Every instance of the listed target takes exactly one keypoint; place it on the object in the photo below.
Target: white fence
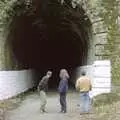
(15, 82)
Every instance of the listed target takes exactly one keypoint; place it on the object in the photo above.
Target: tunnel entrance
(51, 36)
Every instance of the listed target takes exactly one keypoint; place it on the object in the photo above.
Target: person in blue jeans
(63, 88)
(83, 85)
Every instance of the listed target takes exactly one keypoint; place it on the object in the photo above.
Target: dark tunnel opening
(50, 37)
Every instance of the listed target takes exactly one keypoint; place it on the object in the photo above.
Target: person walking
(83, 85)
(42, 89)
(62, 89)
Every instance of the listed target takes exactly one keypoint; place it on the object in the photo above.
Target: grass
(107, 105)
(106, 99)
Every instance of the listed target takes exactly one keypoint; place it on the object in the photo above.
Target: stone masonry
(98, 37)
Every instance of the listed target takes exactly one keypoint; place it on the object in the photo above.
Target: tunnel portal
(51, 36)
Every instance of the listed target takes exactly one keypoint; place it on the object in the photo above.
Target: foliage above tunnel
(7, 11)
(63, 9)
(9, 8)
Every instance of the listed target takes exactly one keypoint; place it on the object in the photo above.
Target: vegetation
(106, 99)
(7, 11)
(109, 12)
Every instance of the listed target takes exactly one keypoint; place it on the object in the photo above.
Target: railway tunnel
(51, 36)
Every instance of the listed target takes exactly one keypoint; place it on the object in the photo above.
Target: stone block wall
(99, 30)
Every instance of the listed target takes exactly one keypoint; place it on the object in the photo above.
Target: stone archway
(86, 53)
(95, 47)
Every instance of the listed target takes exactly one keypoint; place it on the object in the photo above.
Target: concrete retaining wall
(15, 82)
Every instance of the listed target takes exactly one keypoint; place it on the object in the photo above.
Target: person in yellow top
(83, 85)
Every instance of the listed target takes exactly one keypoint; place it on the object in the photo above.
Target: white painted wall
(101, 77)
(15, 82)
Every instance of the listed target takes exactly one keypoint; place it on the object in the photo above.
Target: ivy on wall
(6, 12)
(8, 9)
(110, 14)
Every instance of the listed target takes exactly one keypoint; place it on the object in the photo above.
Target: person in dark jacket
(42, 88)
(62, 89)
